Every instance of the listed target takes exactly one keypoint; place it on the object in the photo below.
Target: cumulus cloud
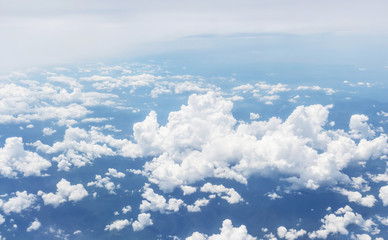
(367, 201)
(114, 173)
(103, 183)
(79, 147)
(229, 194)
(65, 192)
(117, 225)
(155, 202)
(290, 234)
(227, 232)
(35, 225)
(21, 201)
(187, 190)
(14, 159)
(298, 148)
(48, 131)
(383, 195)
(337, 223)
(196, 207)
(359, 127)
(126, 209)
(143, 220)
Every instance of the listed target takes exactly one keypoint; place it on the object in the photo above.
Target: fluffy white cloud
(228, 232)
(254, 116)
(328, 91)
(103, 183)
(196, 207)
(230, 194)
(65, 192)
(18, 203)
(143, 220)
(290, 234)
(155, 202)
(273, 196)
(14, 159)
(2, 220)
(48, 131)
(114, 173)
(359, 128)
(79, 147)
(367, 201)
(203, 140)
(117, 225)
(126, 209)
(187, 190)
(35, 225)
(383, 195)
(337, 223)
(362, 237)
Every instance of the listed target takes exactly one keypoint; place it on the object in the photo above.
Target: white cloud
(103, 183)
(155, 202)
(367, 201)
(290, 234)
(359, 128)
(272, 89)
(244, 88)
(273, 196)
(48, 131)
(14, 159)
(126, 209)
(328, 91)
(35, 225)
(361, 237)
(117, 225)
(254, 116)
(65, 192)
(2, 220)
(114, 173)
(229, 194)
(227, 232)
(187, 190)
(383, 195)
(337, 223)
(360, 183)
(196, 207)
(20, 202)
(205, 130)
(143, 220)
(79, 147)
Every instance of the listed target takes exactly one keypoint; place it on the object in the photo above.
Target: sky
(194, 120)
(64, 32)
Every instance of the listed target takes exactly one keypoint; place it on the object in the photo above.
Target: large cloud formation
(203, 140)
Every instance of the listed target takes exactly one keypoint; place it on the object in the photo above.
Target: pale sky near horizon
(62, 32)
